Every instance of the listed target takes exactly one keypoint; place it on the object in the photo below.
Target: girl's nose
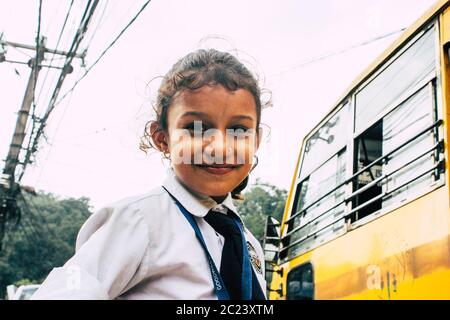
(218, 146)
(214, 142)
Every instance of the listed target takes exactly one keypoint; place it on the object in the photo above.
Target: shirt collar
(196, 203)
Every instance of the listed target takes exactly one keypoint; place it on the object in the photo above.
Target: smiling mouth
(217, 169)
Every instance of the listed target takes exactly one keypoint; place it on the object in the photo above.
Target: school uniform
(144, 248)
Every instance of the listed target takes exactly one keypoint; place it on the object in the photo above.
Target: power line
(104, 52)
(87, 15)
(55, 13)
(98, 25)
(53, 57)
(36, 61)
(84, 23)
(78, 37)
(57, 44)
(22, 52)
(10, 188)
(97, 131)
(38, 42)
(50, 149)
(335, 53)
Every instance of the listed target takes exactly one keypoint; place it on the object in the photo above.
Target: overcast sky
(93, 135)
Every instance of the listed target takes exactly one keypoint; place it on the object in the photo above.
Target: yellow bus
(367, 215)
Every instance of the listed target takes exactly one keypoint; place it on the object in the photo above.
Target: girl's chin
(214, 191)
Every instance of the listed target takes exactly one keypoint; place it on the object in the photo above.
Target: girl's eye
(240, 128)
(241, 132)
(192, 127)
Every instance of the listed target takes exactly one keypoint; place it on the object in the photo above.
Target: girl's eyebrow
(195, 113)
(243, 117)
(205, 115)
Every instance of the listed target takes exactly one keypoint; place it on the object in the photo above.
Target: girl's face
(212, 138)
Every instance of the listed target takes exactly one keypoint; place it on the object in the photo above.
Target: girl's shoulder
(125, 215)
(152, 197)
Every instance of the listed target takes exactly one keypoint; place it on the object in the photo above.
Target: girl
(183, 240)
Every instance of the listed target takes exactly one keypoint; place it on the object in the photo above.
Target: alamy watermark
(212, 147)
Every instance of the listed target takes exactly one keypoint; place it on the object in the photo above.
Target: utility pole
(22, 118)
(8, 186)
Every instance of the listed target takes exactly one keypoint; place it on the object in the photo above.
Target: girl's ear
(159, 137)
(259, 137)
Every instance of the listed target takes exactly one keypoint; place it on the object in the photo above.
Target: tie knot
(222, 223)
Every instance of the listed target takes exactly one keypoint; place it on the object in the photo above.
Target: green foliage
(261, 200)
(23, 282)
(44, 238)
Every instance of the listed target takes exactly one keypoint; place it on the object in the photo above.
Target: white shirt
(144, 248)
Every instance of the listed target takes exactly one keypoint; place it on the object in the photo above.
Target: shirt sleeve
(109, 250)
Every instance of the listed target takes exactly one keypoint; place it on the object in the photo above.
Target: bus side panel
(444, 23)
(404, 254)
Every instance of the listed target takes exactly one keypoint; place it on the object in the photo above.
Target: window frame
(408, 93)
(302, 266)
(289, 233)
(349, 102)
(436, 108)
(341, 106)
(418, 193)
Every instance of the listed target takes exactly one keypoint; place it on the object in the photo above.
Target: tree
(42, 239)
(262, 200)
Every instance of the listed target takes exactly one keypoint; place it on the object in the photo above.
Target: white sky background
(93, 135)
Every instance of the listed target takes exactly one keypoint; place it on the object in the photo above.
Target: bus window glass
(407, 71)
(321, 201)
(325, 142)
(400, 125)
(399, 170)
(322, 181)
(300, 283)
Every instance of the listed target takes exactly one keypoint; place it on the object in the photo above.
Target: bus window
(408, 71)
(394, 155)
(397, 156)
(326, 141)
(398, 153)
(403, 123)
(319, 208)
(368, 148)
(300, 283)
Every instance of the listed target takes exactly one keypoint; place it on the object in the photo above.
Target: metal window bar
(429, 79)
(439, 165)
(382, 158)
(270, 250)
(315, 202)
(315, 218)
(438, 146)
(386, 156)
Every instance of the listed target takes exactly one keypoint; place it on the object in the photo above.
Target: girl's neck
(219, 199)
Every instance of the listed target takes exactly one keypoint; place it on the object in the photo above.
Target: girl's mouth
(217, 169)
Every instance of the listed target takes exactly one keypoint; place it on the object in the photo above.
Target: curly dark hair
(193, 71)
